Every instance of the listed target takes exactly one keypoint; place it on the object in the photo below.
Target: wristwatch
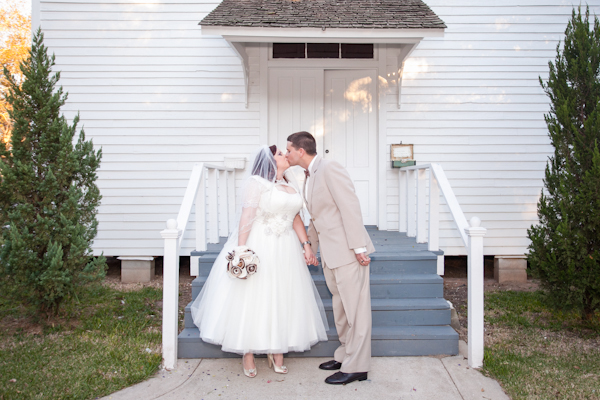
(307, 242)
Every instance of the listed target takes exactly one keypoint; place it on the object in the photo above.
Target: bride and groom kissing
(278, 309)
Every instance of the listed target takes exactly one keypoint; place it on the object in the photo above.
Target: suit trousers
(350, 287)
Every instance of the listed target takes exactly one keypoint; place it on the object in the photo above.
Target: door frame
(383, 88)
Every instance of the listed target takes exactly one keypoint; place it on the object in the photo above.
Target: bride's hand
(309, 256)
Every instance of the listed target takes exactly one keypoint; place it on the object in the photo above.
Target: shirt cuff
(360, 250)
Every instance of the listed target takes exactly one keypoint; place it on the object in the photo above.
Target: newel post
(170, 294)
(475, 287)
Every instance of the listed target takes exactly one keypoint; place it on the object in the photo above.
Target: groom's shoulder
(331, 165)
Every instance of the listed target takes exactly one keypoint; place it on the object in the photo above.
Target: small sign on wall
(402, 155)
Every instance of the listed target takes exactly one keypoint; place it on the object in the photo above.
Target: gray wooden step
(383, 286)
(388, 312)
(387, 263)
(385, 341)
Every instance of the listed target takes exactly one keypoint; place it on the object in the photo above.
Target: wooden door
(350, 125)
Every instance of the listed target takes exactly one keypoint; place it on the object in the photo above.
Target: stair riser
(385, 318)
(379, 348)
(377, 267)
(378, 291)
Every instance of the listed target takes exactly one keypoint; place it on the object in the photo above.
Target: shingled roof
(361, 14)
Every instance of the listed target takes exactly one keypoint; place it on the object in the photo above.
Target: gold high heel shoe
(250, 373)
(280, 370)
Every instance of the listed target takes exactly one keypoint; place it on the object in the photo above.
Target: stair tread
(421, 304)
(382, 255)
(375, 278)
(443, 332)
(396, 278)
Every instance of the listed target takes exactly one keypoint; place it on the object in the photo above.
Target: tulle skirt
(276, 310)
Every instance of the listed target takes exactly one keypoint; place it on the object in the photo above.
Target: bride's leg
(249, 364)
(278, 359)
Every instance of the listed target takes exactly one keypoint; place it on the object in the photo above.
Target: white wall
(472, 102)
(158, 97)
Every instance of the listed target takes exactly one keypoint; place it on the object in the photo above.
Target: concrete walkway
(446, 378)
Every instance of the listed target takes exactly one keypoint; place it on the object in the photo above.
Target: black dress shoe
(331, 365)
(341, 378)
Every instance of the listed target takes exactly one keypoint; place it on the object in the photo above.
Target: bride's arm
(300, 230)
(246, 220)
(251, 194)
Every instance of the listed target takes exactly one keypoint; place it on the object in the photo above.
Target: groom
(336, 222)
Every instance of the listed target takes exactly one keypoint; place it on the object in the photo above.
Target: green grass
(538, 353)
(97, 345)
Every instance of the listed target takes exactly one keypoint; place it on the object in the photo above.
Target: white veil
(262, 176)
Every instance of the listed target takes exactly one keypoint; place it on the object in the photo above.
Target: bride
(277, 309)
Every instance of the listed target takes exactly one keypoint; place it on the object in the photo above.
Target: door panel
(295, 104)
(350, 131)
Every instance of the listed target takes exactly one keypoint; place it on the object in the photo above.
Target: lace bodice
(277, 210)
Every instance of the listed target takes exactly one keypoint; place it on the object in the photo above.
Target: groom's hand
(310, 257)
(363, 259)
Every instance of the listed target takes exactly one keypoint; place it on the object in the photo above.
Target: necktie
(307, 175)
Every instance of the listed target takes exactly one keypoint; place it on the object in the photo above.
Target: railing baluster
(223, 207)
(201, 213)
(421, 210)
(213, 211)
(402, 204)
(411, 227)
(231, 200)
(434, 213)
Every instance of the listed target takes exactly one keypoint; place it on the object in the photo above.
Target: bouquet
(242, 262)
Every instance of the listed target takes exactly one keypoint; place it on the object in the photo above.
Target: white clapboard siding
(472, 102)
(158, 97)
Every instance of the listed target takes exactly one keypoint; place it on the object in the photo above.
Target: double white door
(339, 108)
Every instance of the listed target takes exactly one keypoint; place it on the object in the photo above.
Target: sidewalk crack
(452, 379)
(181, 384)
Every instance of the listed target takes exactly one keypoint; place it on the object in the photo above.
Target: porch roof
(325, 14)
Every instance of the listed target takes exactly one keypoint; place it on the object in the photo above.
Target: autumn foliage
(15, 42)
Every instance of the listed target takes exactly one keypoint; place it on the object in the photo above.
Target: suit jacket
(336, 219)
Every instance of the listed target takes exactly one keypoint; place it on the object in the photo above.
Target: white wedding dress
(276, 310)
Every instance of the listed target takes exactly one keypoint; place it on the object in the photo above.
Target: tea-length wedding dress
(276, 310)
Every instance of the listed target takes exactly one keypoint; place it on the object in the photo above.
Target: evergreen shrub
(48, 194)
(565, 245)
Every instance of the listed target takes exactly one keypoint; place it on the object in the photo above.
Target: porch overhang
(401, 22)
(320, 35)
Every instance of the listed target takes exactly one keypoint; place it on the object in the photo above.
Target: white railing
(210, 188)
(413, 216)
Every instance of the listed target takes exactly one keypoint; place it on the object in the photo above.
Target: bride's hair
(264, 163)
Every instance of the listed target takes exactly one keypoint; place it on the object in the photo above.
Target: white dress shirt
(309, 169)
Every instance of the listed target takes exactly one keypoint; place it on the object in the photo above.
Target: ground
(455, 291)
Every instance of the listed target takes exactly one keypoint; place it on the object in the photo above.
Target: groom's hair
(303, 140)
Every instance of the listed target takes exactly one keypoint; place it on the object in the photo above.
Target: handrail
(448, 193)
(412, 216)
(195, 193)
(220, 202)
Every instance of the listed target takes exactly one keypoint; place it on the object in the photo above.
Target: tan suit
(338, 227)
